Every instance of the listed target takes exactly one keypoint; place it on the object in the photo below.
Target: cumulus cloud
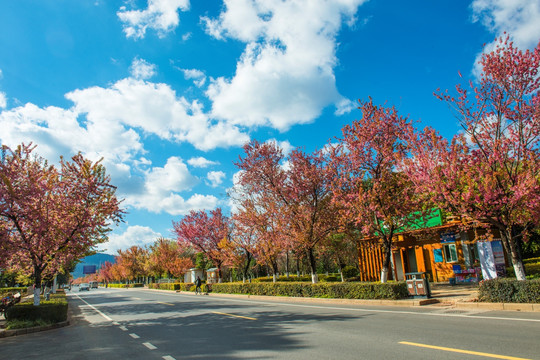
(154, 109)
(201, 162)
(141, 69)
(285, 145)
(111, 123)
(3, 100)
(518, 18)
(285, 75)
(215, 178)
(160, 15)
(133, 235)
(162, 188)
(198, 77)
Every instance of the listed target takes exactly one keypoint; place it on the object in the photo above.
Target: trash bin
(418, 285)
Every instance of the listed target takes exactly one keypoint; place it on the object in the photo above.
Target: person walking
(198, 286)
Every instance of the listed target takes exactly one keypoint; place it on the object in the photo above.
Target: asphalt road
(145, 324)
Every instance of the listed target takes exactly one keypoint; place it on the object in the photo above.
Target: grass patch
(23, 324)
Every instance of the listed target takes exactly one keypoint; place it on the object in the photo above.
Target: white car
(84, 286)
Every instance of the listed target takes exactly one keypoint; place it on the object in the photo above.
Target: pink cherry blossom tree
(51, 216)
(490, 172)
(372, 194)
(204, 231)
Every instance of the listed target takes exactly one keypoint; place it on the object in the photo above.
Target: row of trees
(163, 258)
(383, 175)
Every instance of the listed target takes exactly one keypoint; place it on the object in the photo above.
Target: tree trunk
(313, 266)
(274, 271)
(287, 263)
(37, 285)
(511, 248)
(246, 268)
(387, 248)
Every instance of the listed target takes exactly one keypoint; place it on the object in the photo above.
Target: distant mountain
(97, 259)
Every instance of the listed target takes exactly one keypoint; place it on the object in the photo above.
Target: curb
(498, 306)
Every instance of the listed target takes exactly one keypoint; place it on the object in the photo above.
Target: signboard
(487, 260)
(448, 237)
(498, 255)
(89, 269)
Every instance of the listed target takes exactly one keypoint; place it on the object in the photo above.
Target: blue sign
(89, 269)
(448, 237)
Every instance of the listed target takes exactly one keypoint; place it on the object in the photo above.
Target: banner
(487, 260)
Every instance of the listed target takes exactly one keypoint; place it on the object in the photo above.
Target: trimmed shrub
(120, 286)
(7, 290)
(532, 269)
(509, 291)
(350, 271)
(393, 290)
(51, 311)
(171, 286)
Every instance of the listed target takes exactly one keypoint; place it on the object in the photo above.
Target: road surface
(132, 324)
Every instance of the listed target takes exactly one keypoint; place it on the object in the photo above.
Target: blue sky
(168, 91)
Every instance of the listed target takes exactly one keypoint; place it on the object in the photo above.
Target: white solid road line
(150, 346)
(93, 308)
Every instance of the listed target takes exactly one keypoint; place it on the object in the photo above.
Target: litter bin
(418, 284)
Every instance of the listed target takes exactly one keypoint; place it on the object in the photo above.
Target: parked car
(93, 284)
(84, 286)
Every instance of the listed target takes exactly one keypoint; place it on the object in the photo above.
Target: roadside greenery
(339, 290)
(25, 314)
(509, 291)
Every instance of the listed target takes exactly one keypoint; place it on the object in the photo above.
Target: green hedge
(509, 291)
(301, 278)
(52, 311)
(121, 286)
(5, 291)
(532, 269)
(532, 260)
(171, 286)
(391, 290)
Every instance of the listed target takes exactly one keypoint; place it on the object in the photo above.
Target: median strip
(496, 356)
(238, 316)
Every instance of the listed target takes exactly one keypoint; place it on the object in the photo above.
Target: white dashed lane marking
(135, 336)
(150, 346)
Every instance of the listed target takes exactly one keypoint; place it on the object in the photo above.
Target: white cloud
(215, 178)
(198, 77)
(108, 122)
(285, 146)
(285, 75)
(3, 100)
(154, 109)
(162, 187)
(141, 69)
(133, 235)
(518, 18)
(160, 15)
(201, 162)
